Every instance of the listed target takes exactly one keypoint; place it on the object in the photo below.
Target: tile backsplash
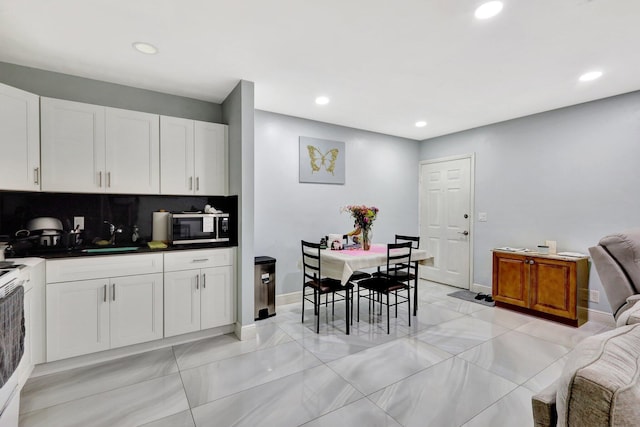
(16, 208)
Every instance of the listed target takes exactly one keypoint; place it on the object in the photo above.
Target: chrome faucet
(112, 231)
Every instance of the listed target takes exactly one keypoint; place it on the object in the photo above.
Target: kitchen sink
(111, 249)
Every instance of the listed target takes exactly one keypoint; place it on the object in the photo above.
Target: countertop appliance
(197, 227)
(49, 229)
(9, 392)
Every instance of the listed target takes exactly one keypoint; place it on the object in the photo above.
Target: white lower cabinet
(95, 314)
(104, 302)
(198, 298)
(33, 276)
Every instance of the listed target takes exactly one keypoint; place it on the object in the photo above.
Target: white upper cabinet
(176, 155)
(19, 140)
(193, 156)
(132, 152)
(92, 149)
(211, 159)
(73, 146)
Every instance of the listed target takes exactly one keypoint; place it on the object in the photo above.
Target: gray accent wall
(238, 113)
(80, 89)
(381, 170)
(570, 175)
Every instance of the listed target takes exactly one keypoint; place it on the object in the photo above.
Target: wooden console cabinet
(549, 286)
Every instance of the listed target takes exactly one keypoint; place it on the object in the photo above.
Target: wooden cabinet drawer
(198, 258)
(97, 267)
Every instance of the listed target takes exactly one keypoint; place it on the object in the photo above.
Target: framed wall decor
(321, 161)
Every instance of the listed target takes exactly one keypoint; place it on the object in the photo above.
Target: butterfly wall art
(321, 160)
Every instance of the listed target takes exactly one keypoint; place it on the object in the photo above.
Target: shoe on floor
(480, 296)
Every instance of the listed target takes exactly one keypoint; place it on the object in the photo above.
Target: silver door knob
(465, 232)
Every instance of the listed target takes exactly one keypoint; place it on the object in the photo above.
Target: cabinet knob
(531, 262)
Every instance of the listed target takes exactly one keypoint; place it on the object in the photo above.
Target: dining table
(340, 264)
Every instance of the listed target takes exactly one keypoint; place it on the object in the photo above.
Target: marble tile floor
(457, 364)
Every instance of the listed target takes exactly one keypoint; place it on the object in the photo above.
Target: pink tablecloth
(374, 249)
(341, 264)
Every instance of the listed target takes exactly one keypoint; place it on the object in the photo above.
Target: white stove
(9, 394)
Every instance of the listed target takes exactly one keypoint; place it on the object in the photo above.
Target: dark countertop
(57, 253)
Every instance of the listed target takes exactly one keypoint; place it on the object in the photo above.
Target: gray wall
(73, 88)
(570, 175)
(238, 113)
(381, 170)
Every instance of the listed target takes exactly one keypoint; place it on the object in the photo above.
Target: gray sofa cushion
(599, 385)
(625, 248)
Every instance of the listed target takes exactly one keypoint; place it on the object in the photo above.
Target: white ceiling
(385, 64)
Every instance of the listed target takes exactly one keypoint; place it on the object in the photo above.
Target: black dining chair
(355, 277)
(398, 260)
(412, 276)
(312, 279)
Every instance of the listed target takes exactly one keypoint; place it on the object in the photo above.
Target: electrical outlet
(594, 296)
(78, 222)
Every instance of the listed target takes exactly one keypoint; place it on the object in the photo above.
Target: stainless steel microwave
(188, 228)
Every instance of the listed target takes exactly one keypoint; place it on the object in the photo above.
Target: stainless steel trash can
(264, 287)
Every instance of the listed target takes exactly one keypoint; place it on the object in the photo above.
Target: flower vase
(366, 239)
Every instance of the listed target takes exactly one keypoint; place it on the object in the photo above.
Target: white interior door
(445, 219)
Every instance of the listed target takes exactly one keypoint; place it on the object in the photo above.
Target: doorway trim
(472, 197)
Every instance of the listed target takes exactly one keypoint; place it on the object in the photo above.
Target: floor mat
(471, 296)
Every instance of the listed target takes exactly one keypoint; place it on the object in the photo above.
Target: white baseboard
(289, 298)
(601, 317)
(594, 315)
(117, 353)
(245, 332)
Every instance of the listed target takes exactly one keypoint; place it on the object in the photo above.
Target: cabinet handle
(201, 260)
(190, 183)
(36, 176)
(198, 282)
(113, 290)
(100, 179)
(204, 281)
(104, 296)
(108, 179)
(197, 183)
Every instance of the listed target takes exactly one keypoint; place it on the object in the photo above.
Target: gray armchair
(617, 261)
(600, 383)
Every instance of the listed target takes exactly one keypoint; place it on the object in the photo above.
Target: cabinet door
(553, 287)
(77, 318)
(135, 309)
(510, 279)
(132, 152)
(217, 301)
(19, 140)
(72, 143)
(176, 156)
(211, 159)
(181, 302)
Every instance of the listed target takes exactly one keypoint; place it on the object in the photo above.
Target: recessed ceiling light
(322, 100)
(145, 48)
(421, 124)
(488, 10)
(591, 75)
